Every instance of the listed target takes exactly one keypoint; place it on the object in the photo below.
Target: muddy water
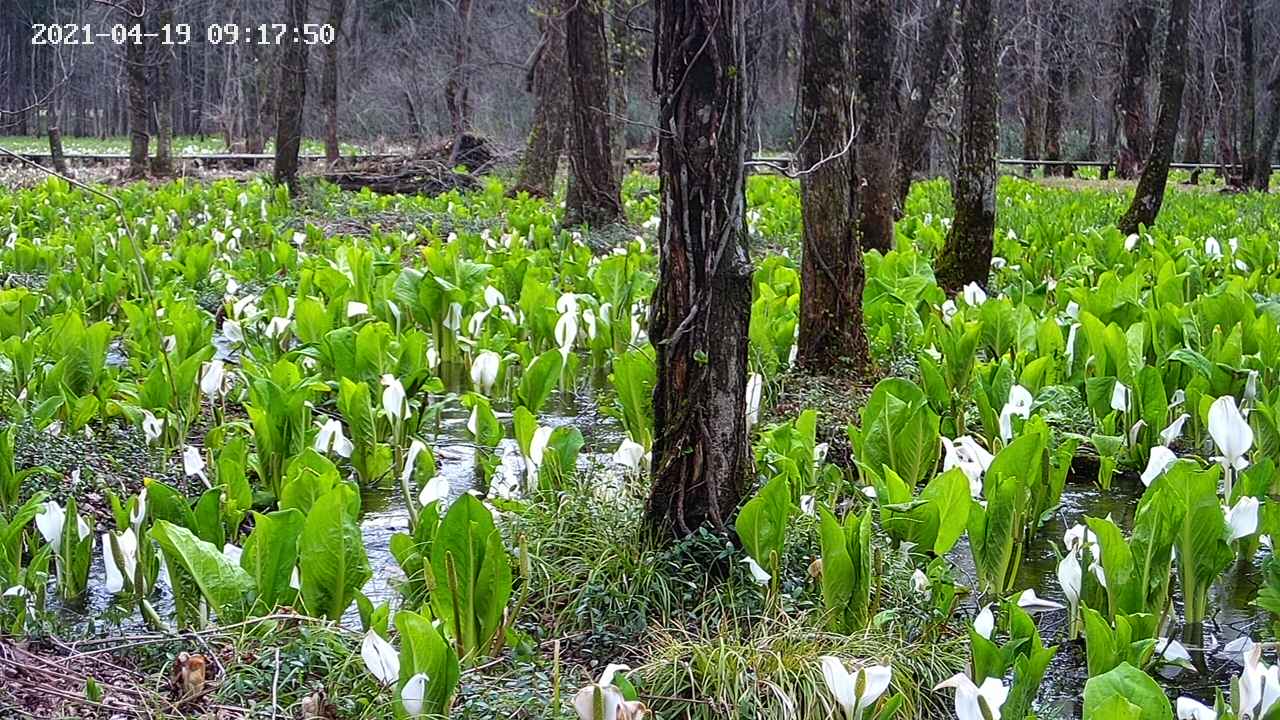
(383, 509)
(1231, 615)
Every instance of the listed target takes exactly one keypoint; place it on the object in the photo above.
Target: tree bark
(1267, 143)
(293, 95)
(1225, 149)
(596, 198)
(162, 163)
(619, 58)
(457, 90)
(702, 303)
(1193, 142)
(1249, 95)
(874, 160)
(329, 82)
(966, 253)
(1155, 174)
(1137, 22)
(548, 81)
(58, 159)
(135, 58)
(832, 275)
(1053, 111)
(1031, 119)
(929, 71)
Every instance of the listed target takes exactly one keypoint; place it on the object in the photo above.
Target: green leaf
(762, 523)
(539, 379)
(332, 558)
(1131, 685)
(270, 555)
(422, 650)
(222, 583)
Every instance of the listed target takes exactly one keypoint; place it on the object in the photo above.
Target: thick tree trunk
(548, 81)
(927, 75)
(1249, 93)
(162, 163)
(1053, 110)
(596, 198)
(874, 162)
(293, 95)
(1224, 145)
(832, 275)
(702, 303)
(1137, 22)
(457, 90)
(966, 253)
(1155, 174)
(135, 59)
(619, 53)
(329, 83)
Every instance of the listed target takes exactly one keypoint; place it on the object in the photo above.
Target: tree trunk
(135, 58)
(832, 275)
(457, 91)
(1267, 143)
(293, 95)
(1249, 94)
(927, 75)
(329, 83)
(1193, 142)
(874, 161)
(1173, 74)
(966, 253)
(702, 303)
(58, 159)
(1225, 149)
(548, 82)
(162, 163)
(619, 45)
(1137, 22)
(1031, 118)
(1053, 111)
(596, 198)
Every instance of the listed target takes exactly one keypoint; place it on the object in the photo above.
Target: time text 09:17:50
(182, 34)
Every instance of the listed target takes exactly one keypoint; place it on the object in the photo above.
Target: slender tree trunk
(619, 44)
(457, 90)
(1155, 174)
(1137, 22)
(1193, 142)
(596, 198)
(293, 95)
(135, 58)
(548, 81)
(928, 73)
(874, 161)
(1053, 111)
(162, 163)
(966, 253)
(56, 155)
(329, 82)
(1249, 94)
(1267, 143)
(702, 303)
(832, 275)
(1225, 148)
(1031, 119)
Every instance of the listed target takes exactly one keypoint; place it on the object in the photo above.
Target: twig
(275, 684)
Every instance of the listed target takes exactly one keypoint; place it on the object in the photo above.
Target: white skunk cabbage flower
(116, 575)
(759, 574)
(974, 295)
(152, 427)
(1019, 404)
(380, 658)
(855, 692)
(1231, 433)
(212, 375)
(971, 698)
(394, 403)
(414, 694)
(755, 386)
(1242, 519)
(1174, 430)
(332, 439)
(1032, 604)
(1162, 458)
(484, 370)
(630, 454)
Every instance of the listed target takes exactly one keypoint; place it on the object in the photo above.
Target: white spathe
(1189, 709)
(985, 622)
(152, 427)
(414, 694)
(1161, 459)
(755, 386)
(844, 686)
(1071, 578)
(1230, 432)
(566, 333)
(759, 574)
(970, 698)
(1019, 404)
(484, 370)
(1174, 430)
(356, 309)
(1030, 602)
(972, 459)
(1242, 518)
(193, 463)
(973, 294)
(380, 658)
(1120, 397)
(629, 455)
(332, 439)
(393, 398)
(212, 375)
(437, 488)
(116, 575)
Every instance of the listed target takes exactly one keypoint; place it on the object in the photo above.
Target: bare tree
(162, 163)
(1249, 92)
(548, 81)
(329, 82)
(293, 95)
(1137, 23)
(1155, 173)
(875, 160)
(930, 70)
(832, 276)
(702, 303)
(135, 58)
(595, 196)
(457, 90)
(966, 253)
